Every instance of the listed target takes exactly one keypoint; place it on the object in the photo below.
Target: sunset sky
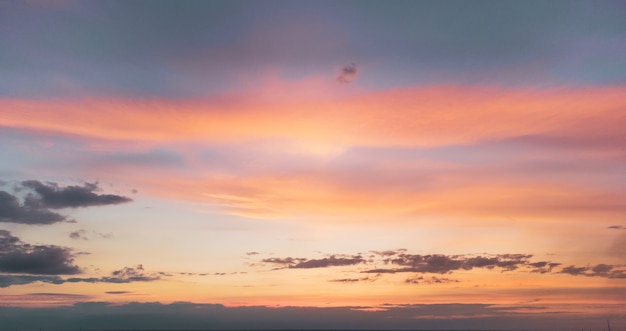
(312, 164)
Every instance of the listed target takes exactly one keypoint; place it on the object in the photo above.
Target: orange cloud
(409, 117)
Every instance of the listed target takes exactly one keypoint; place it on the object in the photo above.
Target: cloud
(617, 227)
(130, 274)
(82, 235)
(354, 280)
(122, 276)
(118, 292)
(442, 264)
(192, 316)
(10, 280)
(347, 74)
(302, 263)
(79, 234)
(11, 211)
(600, 270)
(53, 196)
(400, 261)
(19, 257)
(36, 205)
(432, 280)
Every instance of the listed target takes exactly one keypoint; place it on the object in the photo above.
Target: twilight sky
(312, 164)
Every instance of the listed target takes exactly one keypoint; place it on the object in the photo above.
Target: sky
(312, 165)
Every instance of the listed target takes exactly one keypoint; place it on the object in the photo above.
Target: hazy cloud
(347, 74)
(19, 257)
(617, 227)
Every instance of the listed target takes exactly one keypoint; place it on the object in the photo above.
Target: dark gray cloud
(600, 270)
(118, 292)
(400, 261)
(617, 227)
(418, 279)
(442, 264)
(347, 74)
(10, 280)
(79, 234)
(130, 274)
(302, 263)
(354, 280)
(11, 211)
(122, 276)
(40, 198)
(82, 235)
(23, 258)
(53, 196)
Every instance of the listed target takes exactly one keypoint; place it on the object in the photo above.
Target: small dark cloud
(130, 274)
(82, 235)
(354, 280)
(302, 263)
(252, 253)
(53, 196)
(617, 227)
(543, 267)
(19, 257)
(429, 280)
(347, 74)
(118, 292)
